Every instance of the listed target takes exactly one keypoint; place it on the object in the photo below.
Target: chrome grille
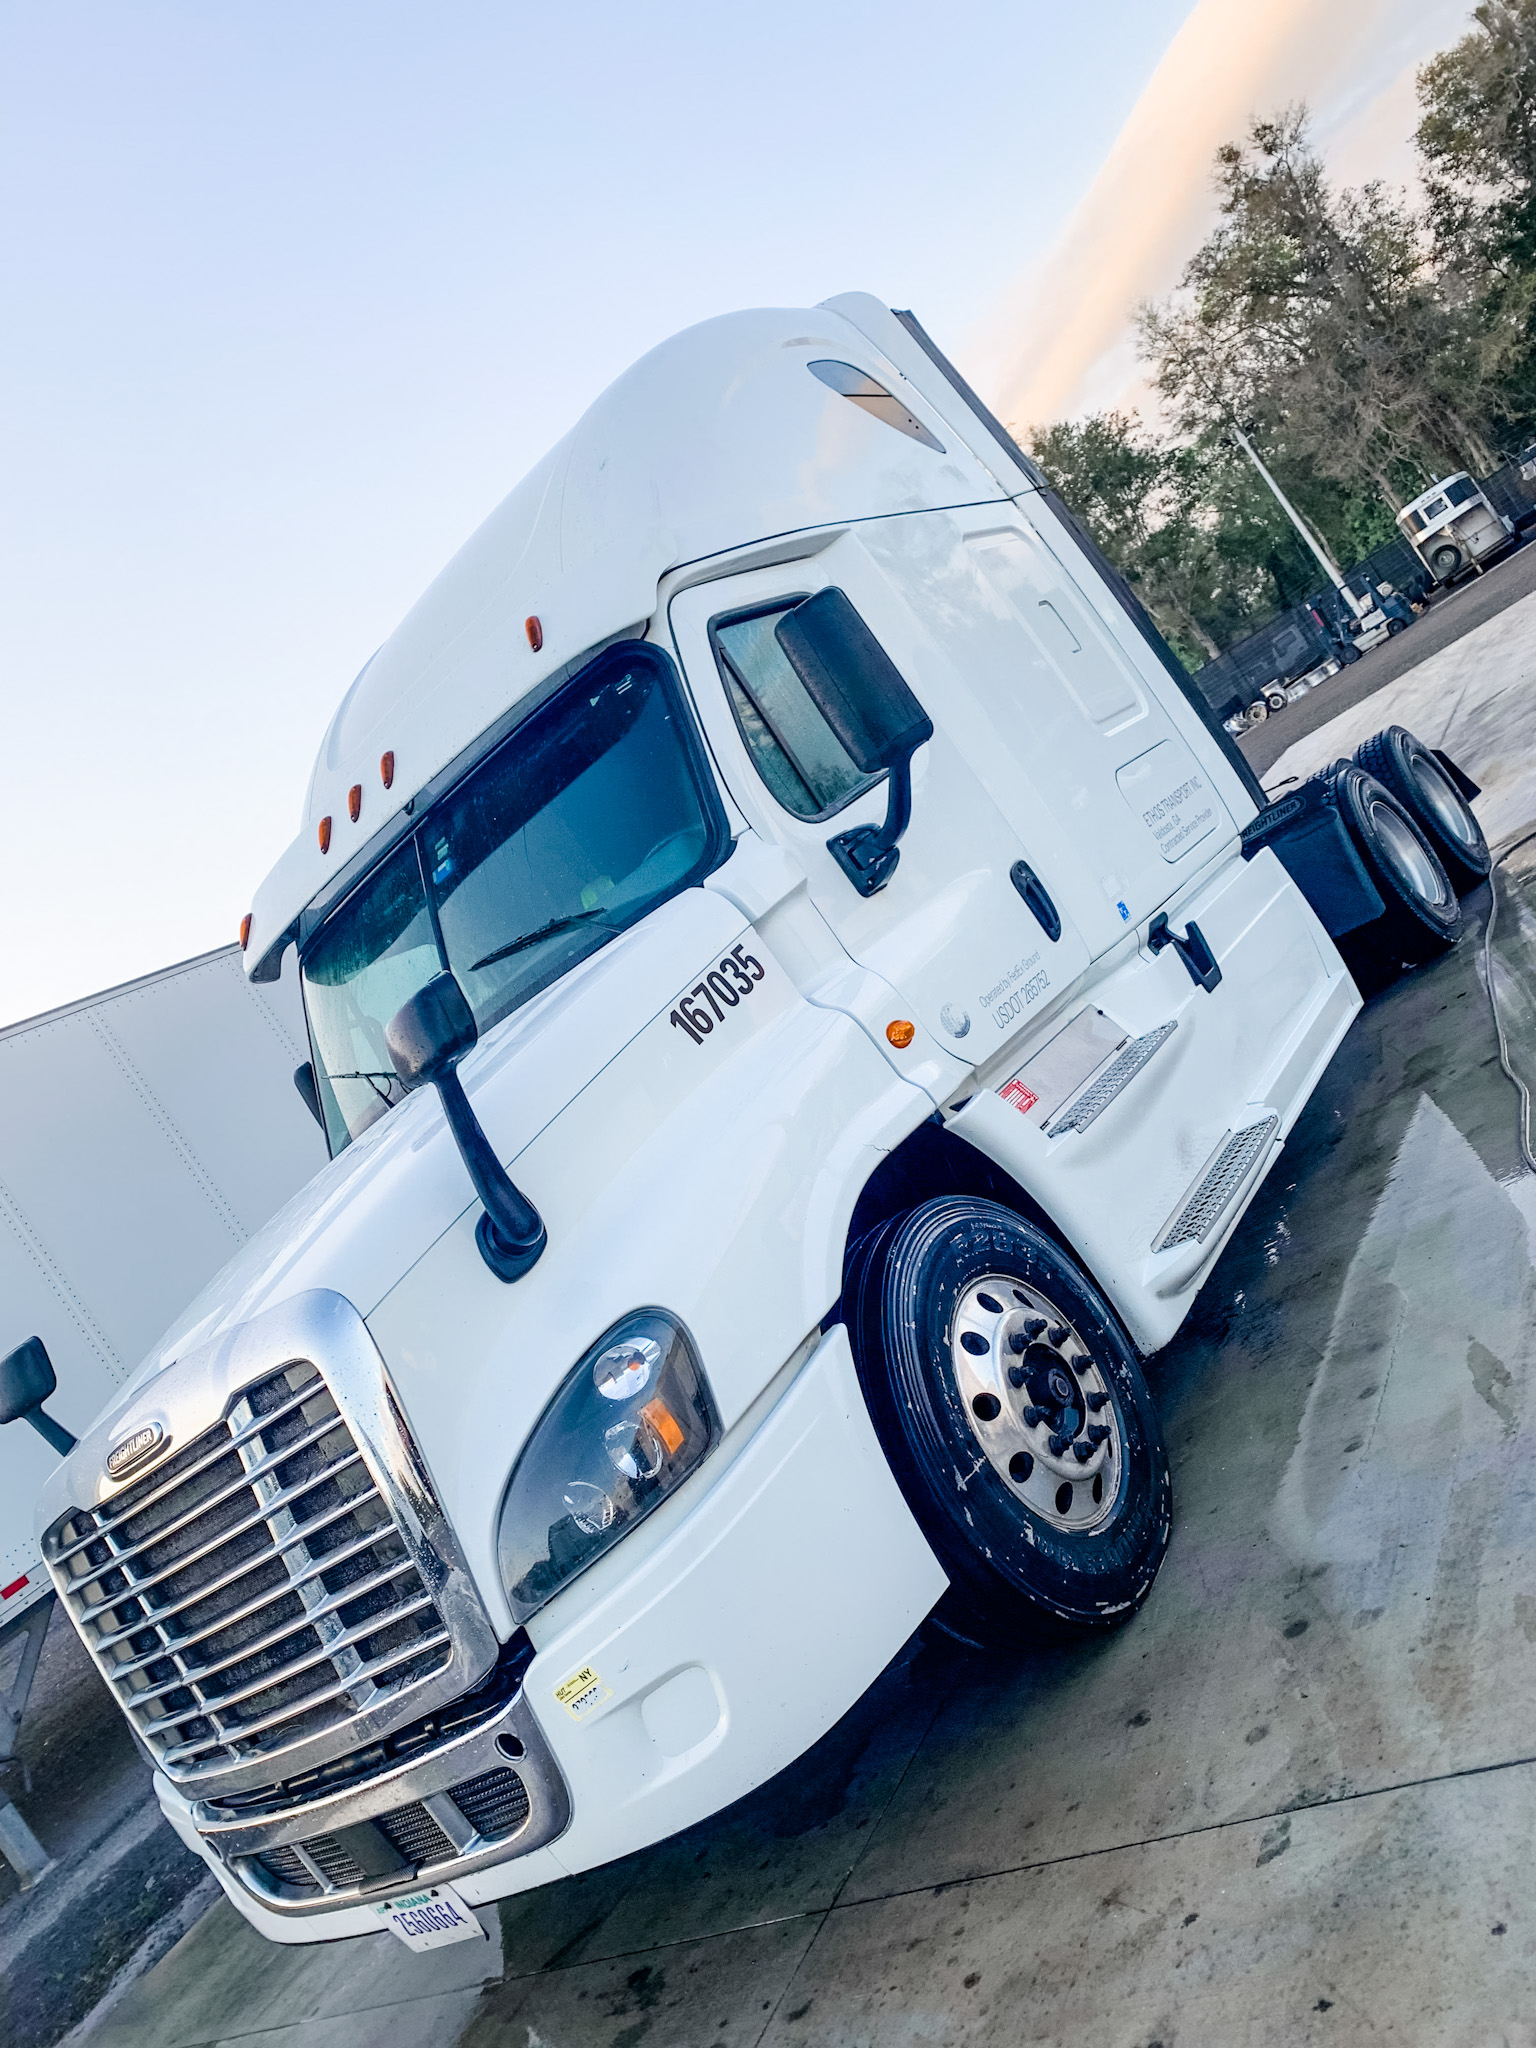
(252, 1591)
(459, 1824)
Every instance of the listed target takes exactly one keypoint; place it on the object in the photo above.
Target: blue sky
(296, 293)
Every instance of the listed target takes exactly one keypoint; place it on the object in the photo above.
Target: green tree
(1147, 507)
(1315, 314)
(1476, 142)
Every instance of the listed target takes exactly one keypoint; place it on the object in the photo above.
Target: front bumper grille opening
(495, 1804)
(217, 1591)
(340, 1870)
(416, 1835)
(286, 1872)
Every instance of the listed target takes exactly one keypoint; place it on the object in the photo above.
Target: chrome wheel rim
(1037, 1400)
(1406, 854)
(1433, 785)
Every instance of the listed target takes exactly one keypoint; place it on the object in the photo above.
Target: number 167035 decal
(721, 990)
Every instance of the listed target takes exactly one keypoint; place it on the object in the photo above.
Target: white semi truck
(799, 995)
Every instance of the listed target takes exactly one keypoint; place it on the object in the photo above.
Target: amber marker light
(665, 1424)
(325, 835)
(355, 802)
(245, 931)
(901, 1033)
(535, 634)
(387, 769)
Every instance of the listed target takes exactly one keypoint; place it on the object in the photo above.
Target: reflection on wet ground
(1292, 1802)
(1510, 968)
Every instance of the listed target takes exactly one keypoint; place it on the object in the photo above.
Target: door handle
(1191, 949)
(1035, 894)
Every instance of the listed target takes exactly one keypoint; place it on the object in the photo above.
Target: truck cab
(794, 1022)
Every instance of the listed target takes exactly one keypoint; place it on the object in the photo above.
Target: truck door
(1100, 778)
(952, 931)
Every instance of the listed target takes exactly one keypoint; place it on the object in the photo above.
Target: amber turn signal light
(535, 634)
(665, 1424)
(387, 769)
(355, 801)
(245, 931)
(325, 835)
(901, 1033)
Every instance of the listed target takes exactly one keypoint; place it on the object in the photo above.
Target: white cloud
(1060, 340)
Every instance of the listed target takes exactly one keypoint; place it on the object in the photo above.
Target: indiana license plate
(430, 1918)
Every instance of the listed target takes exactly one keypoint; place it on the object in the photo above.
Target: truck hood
(366, 1218)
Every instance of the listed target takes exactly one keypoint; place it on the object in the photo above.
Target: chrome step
(1224, 1173)
(1122, 1070)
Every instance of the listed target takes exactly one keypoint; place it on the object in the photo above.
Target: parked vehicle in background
(1453, 528)
(781, 842)
(149, 1131)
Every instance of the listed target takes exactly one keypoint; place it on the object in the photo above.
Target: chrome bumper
(402, 1825)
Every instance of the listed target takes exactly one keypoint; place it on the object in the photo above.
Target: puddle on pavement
(1410, 1481)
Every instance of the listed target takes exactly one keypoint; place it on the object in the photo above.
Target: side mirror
(427, 1037)
(862, 695)
(304, 1081)
(27, 1378)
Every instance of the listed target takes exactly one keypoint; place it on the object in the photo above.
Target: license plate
(430, 1918)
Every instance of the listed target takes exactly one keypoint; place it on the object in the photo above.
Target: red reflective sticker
(14, 1587)
(1022, 1098)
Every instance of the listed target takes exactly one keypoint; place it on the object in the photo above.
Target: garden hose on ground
(1511, 981)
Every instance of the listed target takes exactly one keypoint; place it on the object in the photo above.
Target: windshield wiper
(545, 931)
(372, 1075)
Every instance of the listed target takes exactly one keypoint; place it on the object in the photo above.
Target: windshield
(595, 809)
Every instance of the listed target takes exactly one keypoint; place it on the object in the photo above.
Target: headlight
(628, 1426)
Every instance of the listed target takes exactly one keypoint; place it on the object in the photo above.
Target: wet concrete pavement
(1293, 1802)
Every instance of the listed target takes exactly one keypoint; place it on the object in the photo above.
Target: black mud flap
(1459, 776)
(1312, 843)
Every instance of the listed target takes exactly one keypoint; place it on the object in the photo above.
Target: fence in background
(1312, 632)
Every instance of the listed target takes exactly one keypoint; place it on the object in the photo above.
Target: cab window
(595, 810)
(792, 747)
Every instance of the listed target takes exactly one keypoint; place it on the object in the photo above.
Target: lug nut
(1033, 1328)
(1097, 1433)
(1015, 1375)
(1097, 1401)
(1058, 1443)
(1033, 1417)
(1057, 1334)
(1082, 1452)
(1017, 1341)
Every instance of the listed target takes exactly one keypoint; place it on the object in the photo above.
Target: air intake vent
(253, 1590)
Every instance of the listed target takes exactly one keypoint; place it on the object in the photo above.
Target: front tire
(1013, 1412)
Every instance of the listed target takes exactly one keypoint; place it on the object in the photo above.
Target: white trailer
(1452, 527)
(145, 1134)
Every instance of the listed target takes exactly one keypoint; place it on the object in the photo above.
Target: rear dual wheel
(1402, 763)
(1421, 916)
(1013, 1412)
